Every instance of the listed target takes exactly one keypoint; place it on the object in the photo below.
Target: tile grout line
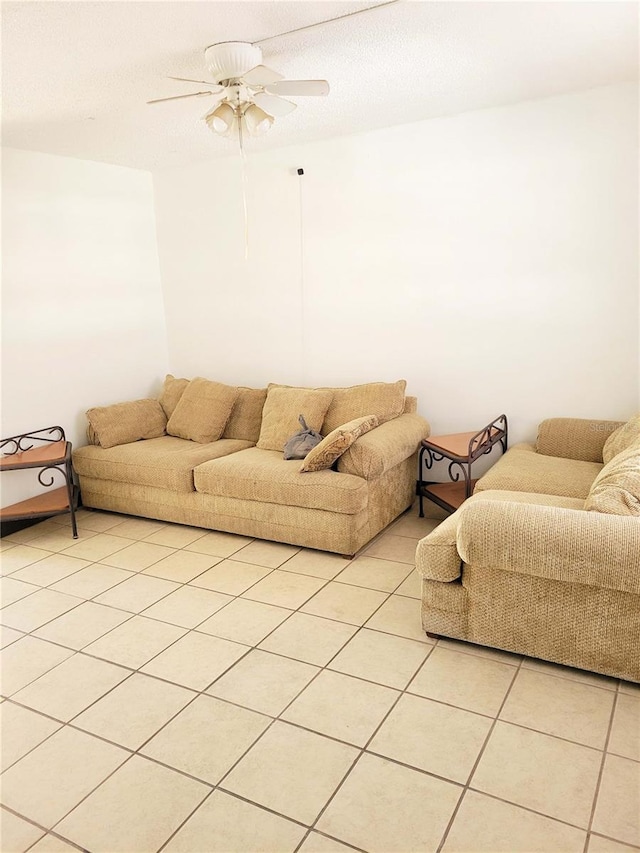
(41, 827)
(219, 784)
(141, 613)
(186, 820)
(202, 692)
(596, 792)
(75, 727)
(477, 761)
(546, 734)
(291, 701)
(119, 746)
(138, 669)
(262, 806)
(363, 749)
(298, 694)
(92, 600)
(617, 841)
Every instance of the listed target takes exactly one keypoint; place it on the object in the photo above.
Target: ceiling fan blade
(177, 97)
(215, 88)
(261, 76)
(298, 87)
(273, 105)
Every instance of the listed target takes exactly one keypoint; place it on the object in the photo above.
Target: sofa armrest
(567, 545)
(384, 447)
(437, 557)
(574, 438)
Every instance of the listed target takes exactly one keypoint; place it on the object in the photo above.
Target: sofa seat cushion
(521, 469)
(263, 475)
(166, 462)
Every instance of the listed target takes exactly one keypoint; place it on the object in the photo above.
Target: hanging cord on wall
(243, 166)
(300, 173)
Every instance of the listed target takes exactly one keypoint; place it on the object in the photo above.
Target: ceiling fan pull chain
(243, 164)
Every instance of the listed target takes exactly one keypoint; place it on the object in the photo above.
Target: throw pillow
(202, 411)
(172, 390)
(616, 489)
(282, 409)
(621, 439)
(246, 416)
(334, 445)
(123, 423)
(383, 399)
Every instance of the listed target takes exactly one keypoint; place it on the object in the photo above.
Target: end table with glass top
(462, 450)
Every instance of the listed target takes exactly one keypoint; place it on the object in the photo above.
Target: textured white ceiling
(76, 75)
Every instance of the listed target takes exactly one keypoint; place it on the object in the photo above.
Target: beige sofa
(544, 558)
(235, 483)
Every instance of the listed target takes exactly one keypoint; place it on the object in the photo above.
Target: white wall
(82, 311)
(490, 258)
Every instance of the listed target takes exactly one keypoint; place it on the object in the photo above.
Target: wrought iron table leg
(70, 492)
(420, 482)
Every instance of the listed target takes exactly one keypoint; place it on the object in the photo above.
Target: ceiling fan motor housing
(229, 60)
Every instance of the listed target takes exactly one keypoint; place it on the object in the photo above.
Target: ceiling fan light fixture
(231, 59)
(258, 122)
(221, 119)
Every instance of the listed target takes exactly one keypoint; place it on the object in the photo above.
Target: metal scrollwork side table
(48, 450)
(462, 449)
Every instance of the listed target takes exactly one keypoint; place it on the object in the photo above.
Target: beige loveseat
(544, 558)
(234, 478)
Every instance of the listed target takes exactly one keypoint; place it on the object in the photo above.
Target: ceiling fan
(248, 94)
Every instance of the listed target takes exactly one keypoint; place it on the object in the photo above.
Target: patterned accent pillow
(123, 423)
(621, 439)
(202, 411)
(172, 390)
(616, 489)
(334, 445)
(283, 407)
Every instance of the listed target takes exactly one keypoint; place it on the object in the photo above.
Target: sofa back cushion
(323, 455)
(581, 439)
(616, 489)
(171, 392)
(282, 408)
(246, 416)
(385, 400)
(621, 439)
(202, 411)
(123, 423)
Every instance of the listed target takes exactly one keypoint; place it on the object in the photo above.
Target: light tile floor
(169, 688)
